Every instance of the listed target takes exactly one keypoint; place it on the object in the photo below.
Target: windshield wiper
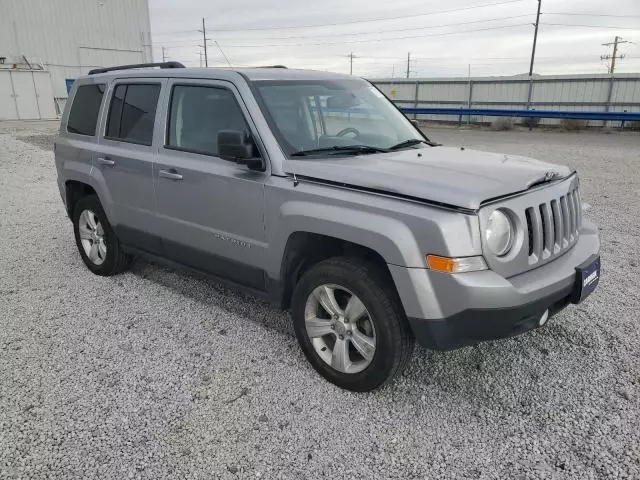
(408, 143)
(335, 149)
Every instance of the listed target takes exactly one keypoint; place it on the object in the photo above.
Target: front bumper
(450, 311)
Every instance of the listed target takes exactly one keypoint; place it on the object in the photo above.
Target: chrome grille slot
(572, 215)
(527, 214)
(548, 229)
(536, 235)
(566, 220)
(577, 208)
(558, 225)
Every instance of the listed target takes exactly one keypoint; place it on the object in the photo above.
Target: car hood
(446, 175)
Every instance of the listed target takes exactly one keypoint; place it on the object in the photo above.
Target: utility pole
(408, 64)
(164, 57)
(533, 55)
(204, 43)
(200, 52)
(535, 38)
(351, 56)
(617, 41)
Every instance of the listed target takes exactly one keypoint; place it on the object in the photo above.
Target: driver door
(210, 210)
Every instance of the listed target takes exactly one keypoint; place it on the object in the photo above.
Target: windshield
(320, 116)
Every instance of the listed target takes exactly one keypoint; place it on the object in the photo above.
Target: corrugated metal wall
(69, 37)
(595, 92)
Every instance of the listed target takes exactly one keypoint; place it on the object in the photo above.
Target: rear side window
(84, 110)
(133, 112)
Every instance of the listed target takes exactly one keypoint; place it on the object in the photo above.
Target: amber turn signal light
(455, 265)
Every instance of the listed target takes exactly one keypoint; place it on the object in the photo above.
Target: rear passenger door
(210, 210)
(77, 146)
(125, 161)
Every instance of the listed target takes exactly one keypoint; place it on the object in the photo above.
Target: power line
(379, 39)
(223, 54)
(590, 15)
(367, 40)
(289, 27)
(428, 27)
(295, 37)
(314, 25)
(589, 26)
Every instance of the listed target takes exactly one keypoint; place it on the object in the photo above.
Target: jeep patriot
(314, 191)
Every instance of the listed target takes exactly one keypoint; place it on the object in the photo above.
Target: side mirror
(233, 145)
(415, 123)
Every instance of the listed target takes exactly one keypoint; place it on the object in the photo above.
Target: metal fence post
(416, 98)
(470, 100)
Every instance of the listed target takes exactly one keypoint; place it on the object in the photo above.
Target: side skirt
(160, 260)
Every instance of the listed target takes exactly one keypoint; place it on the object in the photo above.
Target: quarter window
(84, 110)
(132, 113)
(198, 113)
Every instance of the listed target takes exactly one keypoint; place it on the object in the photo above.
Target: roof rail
(137, 65)
(272, 66)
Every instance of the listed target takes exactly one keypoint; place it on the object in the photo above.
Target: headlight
(499, 233)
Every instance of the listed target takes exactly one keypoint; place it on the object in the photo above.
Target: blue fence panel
(494, 112)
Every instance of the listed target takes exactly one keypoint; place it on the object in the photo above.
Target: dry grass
(574, 125)
(502, 124)
(530, 122)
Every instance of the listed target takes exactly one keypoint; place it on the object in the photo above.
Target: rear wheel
(97, 243)
(350, 324)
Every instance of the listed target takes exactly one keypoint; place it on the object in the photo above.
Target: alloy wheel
(92, 237)
(340, 328)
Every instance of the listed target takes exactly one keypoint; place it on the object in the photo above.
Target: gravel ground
(157, 374)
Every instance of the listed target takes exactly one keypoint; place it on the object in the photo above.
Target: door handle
(170, 174)
(106, 161)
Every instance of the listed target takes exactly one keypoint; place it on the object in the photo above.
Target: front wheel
(350, 324)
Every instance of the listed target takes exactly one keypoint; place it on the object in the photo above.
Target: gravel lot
(157, 374)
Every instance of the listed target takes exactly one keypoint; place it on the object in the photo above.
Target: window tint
(84, 110)
(133, 112)
(197, 115)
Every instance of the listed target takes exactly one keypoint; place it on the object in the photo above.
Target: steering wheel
(347, 130)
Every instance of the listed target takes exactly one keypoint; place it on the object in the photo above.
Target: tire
(108, 258)
(383, 324)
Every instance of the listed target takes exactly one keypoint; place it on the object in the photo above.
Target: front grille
(553, 226)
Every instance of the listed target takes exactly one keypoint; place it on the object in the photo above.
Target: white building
(45, 44)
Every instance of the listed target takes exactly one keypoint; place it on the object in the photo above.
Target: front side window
(197, 113)
(133, 112)
(83, 116)
(313, 117)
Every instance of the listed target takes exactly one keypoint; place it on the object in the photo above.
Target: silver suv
(314, 191)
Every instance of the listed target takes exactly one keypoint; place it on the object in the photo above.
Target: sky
(443, 39)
